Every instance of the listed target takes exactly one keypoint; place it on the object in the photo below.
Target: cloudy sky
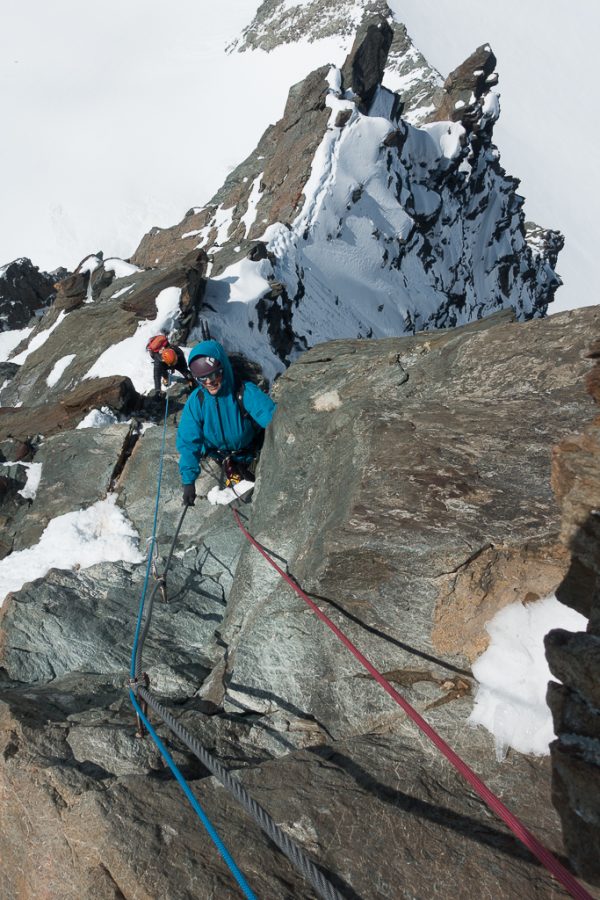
(120, 116)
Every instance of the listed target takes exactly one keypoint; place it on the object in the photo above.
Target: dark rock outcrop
(575, 658)
(364, 67)
(24, 292)
(464, 88)
(22, 423)
(90, 317)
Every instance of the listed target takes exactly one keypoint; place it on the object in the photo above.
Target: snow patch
(100, 533)
(249, 216)
(34, 473)
(90, 265)
(129, 357)
(124, 290)
(247, 280)
(59, 369)
(513, 675)
(99, 418)
(121, 268)
(39, 340)
(222, 222)
(11, 339)
(327, 402)
(491, 105)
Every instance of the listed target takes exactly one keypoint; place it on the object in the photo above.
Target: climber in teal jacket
(220, 419)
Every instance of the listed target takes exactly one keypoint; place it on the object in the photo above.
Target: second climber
(167, 358)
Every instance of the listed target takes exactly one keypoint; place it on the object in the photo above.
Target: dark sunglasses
(211, 377)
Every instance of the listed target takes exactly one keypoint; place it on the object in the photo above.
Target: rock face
(24, 291)
(575, 658)
(404, 484)
(422, 218)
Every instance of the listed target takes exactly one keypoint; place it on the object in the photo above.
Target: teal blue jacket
(215, 425)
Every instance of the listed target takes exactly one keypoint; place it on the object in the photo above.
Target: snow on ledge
(59, 368)
(100, 533)
(39, 340)
(120, 268)
(129, 357)
(34, 474)
(9, 340)
(513, 675)
(98, 418)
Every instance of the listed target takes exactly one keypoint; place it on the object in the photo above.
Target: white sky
(122, 116)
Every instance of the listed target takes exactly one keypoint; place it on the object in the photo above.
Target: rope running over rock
(135, 671)
(297, 856)
(294, 853)
(516, 826)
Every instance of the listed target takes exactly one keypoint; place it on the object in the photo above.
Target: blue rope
(152, 542)
(196, 806)
(163, 750)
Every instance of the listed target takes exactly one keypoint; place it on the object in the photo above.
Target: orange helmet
(168, 356)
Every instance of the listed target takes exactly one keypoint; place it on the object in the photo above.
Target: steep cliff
(405, 485)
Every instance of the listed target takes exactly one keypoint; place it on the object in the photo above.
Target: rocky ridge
(437, 223)
(410, 513)
(405, 482)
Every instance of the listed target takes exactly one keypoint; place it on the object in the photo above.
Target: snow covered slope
(152, 159)
(348, 221)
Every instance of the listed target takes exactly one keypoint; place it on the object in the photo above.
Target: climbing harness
(516, 826)
(142, 699)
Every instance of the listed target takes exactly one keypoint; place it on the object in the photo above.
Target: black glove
(189, 494)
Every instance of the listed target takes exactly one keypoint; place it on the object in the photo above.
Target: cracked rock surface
(405, 485)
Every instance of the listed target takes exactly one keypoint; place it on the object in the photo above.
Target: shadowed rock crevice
(574, 658)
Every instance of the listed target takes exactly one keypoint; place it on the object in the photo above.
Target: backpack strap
(239, 396)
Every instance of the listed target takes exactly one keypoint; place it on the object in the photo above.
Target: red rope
(516, 826)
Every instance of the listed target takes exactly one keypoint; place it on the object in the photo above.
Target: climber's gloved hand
(189, 494)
